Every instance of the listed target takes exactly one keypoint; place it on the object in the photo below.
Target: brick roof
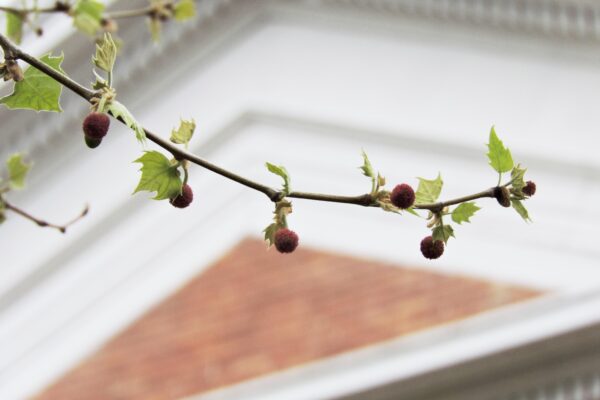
(256, 312)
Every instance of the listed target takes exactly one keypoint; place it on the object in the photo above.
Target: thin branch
(41, 222)
(60, 7)
(274, 195)
(140, 12)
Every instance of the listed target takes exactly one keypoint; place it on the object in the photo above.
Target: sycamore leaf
(159, 175)
(184, 133)
(106, 53)
(282, 172)
(520, 208)
(429, 190)
(118, 110)
(14, 27)
(367, 168)
(517, 178)
(270, 233)
(17, 171)
(463, 212)
(184, 9)
(499, 156)
(37, 91)
(87, 15)
(443, 232)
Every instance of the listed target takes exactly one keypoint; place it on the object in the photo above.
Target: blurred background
(143, 301)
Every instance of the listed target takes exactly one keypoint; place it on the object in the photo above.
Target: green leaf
(270, 233)
(282, 172)
(184, 133)
(517, 177)
(185, 9)
(367, 168)
(118, 110)
(520, 208)
(106, 53)
(87, 15)
(443, 232)
(429, 190)
(499, 156)
(17, 171)
(463, 212)
(37, 91)
(159, 175)
(14, 27)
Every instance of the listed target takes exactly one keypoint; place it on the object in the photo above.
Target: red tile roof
(256, 312)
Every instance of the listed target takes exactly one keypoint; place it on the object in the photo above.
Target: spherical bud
(92, 143)
(286, 240)
(403, 196)
(95, 125)
(432, 249)
(529, 189)
(502, 194)
(184, 199)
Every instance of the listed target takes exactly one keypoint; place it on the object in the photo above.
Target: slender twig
(147, 11)
(274, 195)
(41, 222)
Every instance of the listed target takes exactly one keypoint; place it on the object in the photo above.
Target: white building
(308, 84)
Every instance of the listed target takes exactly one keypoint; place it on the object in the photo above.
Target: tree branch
(274, 195)
(41, 222)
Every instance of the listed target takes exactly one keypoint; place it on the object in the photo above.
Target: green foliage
(17, 171)
(517, 178)
(184, 133)
(464, 212)
(118, 110)
(282, 172)
(499, 156)
(159, 175)
(443, 232)
(184, 9)
(106, 53)
(429, 190)
(155, 27)
(87, 15)
(520, 208)
(282, 210)
(14, 27)
(367, 168)
(37, 91)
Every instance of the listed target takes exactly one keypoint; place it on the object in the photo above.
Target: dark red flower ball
(95, 125)
(184, 199)
(286, 240)
(403, 196)
(529, 189)
(431, 249)
(502, 194)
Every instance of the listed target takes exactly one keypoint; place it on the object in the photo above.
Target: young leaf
(282, 172)
(463, 212)
(270, 233)
(106, 53)
(155, 27)
(159, 175)
(184, 133)
(14, 27)
(520, 208)
(443, 232)
(87, 15)
(429, 190)
(367, 168)
(118, 110)
(184, 9)
(499, 156)
(37, 91)
(517, 177)
(17, 171)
